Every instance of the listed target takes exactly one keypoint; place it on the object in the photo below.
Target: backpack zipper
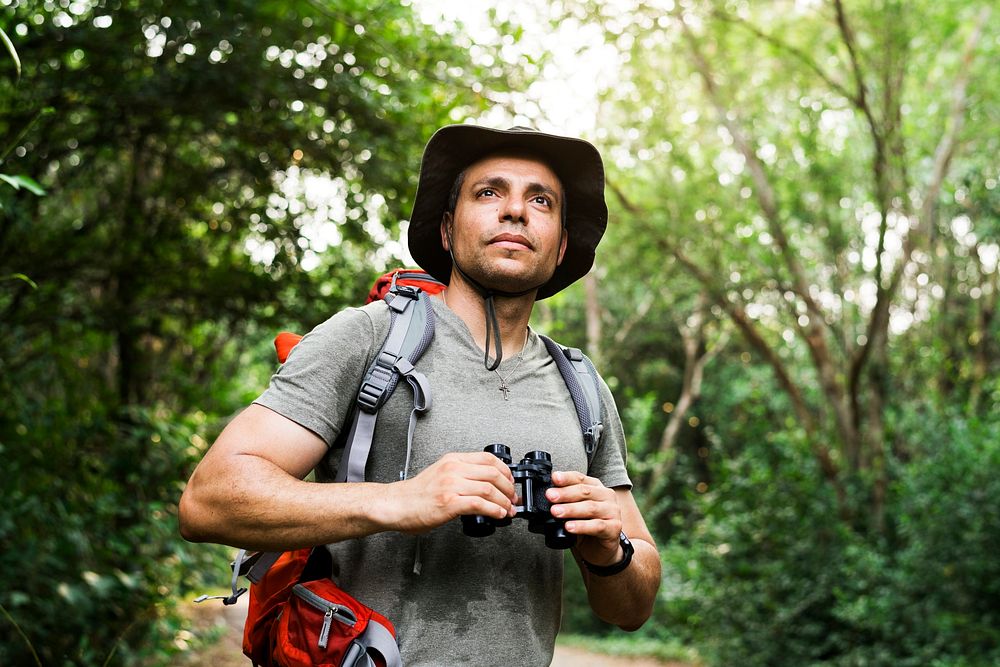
(331, 611)
(324, 633)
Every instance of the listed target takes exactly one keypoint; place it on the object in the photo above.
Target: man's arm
(248, 491)
(598, 515)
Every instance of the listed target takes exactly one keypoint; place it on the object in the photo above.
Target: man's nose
(513, 209)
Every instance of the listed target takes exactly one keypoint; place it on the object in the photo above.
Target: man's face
(507, 225)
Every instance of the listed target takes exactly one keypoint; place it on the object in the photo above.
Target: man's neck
(512, 313)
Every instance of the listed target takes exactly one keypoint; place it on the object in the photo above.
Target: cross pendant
(504, 389)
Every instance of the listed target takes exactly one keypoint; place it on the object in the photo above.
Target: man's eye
(539, 199)
(487, 192)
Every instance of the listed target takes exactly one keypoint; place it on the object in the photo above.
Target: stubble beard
(488, 272)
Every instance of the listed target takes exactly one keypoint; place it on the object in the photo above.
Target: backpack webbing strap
(411, 329)
(262, 564)
(580, 377)
(237, 591)
(377, 638)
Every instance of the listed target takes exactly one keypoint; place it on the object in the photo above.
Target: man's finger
(466, 488)
(484, 459)
(471, 465)
(601, 529)
(580, 492)
(584, 510)
(571, 477)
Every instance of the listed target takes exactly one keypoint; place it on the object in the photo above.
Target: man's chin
(515, 282)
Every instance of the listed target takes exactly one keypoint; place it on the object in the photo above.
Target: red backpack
(299, 618)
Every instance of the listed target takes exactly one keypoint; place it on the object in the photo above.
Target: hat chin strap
(492, 326)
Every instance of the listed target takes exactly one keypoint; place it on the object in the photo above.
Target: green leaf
(22, 277)
(26, 182)
(13, 52)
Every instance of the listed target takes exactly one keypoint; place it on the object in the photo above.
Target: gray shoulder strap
(411, 330)
(375, 639)
(582, 381)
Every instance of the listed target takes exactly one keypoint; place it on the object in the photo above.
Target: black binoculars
(532, 478)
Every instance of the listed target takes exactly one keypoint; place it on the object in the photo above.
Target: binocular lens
(477, 526)
(556, 537)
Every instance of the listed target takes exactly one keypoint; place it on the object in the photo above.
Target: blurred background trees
(794, 304)
(795, 180)
(190, 152)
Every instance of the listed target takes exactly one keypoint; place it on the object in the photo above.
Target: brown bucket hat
(576, 162)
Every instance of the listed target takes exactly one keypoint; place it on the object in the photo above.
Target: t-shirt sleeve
(609, 459)
(317, 384)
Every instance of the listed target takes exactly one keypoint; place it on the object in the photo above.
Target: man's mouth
(512, 242)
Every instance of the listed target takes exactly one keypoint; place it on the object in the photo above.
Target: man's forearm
(626, 599)
(263, 508)
(248, 501)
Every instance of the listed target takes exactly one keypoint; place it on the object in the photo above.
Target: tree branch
(860, 98)
(763, 189)
(798, 54)
(640, 312)
(693, 337)
(879, 161)
(879, 321)
(815, 331)
(754, 338)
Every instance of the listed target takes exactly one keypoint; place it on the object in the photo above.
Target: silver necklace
(504, 387)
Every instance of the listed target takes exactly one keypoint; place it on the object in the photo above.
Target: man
(504, 218)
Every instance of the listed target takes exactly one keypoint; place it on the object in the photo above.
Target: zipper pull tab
(324, 634)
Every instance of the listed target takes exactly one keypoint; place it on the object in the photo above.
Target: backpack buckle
(374, 386)
(369, 395)
(592, 437)
(407, 291)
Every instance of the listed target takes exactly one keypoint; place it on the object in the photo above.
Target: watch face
(626, 546)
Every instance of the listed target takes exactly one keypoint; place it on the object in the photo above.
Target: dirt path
(569, 656)
(228, 651)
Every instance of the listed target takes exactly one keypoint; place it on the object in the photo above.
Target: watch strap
(614, 568)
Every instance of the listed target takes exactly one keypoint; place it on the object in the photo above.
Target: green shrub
(947, 583)
(771, 576)
(89, 500)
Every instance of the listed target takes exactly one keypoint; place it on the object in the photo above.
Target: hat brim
(576, 162)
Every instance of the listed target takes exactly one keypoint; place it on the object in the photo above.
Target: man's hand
(592, 513)
(598, 515)
(455, 484)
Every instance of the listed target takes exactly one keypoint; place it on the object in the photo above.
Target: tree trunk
(696, 357)
(594, 318)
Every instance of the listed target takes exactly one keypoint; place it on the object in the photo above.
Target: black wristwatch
(614, 568)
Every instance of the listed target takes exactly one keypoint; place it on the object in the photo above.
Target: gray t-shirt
(476, 601)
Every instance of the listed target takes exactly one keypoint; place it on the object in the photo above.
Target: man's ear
(563, 241)
(446, 221)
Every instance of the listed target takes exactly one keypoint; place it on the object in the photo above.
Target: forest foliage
(795, 302)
